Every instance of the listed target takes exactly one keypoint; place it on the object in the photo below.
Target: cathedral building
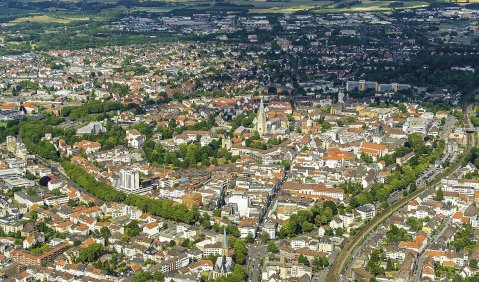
(224, 264)
(261, 126)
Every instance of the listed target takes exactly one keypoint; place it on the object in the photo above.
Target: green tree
(473, 263)
(40, 250)
(396, 234)
(90, 253)
(239, 248)
(238, 274)
(366, 158)
(264, 237)
(31, 191)
(272, 248)
(142, 276)
(319, 263)
(159, 276)
(249, 238)
(105, 232)
(302, 259)
(325, 126)
(462, 239)
(439, 194)
(390, 265)
(132, 228)
(414, 223)
(374, 262)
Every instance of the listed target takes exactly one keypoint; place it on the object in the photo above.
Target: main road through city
(344, 256)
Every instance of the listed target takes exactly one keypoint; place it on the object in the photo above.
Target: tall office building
(129, 181)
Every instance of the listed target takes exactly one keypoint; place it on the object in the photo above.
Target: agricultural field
(286, 7)
(47, 19)
(289, 7)
(371, 6)
(108, 9)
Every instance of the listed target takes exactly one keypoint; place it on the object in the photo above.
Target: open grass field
(328, 7)
(152, 9)
(281, 10)
(263, 7)
(372, 6)
(253, 6)
(47, 19)
(285, 4)
(284, 7)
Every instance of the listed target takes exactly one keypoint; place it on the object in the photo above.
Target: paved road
(356, 253)
(253, 267)
(332, 257)
(58, 171)
(269, 204)
(448, 127)
(348, 248)
(422, 256)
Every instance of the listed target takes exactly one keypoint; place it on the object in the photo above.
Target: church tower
(340, 97)
(224, 250)
(226, 142)
(261, 120)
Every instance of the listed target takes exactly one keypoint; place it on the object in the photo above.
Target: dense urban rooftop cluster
(245, 156)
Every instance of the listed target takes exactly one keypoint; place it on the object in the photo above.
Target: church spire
(225, 243)
(225, 239)
(261, 119)
(261, 107)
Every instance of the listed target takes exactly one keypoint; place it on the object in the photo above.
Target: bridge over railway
(470, 129)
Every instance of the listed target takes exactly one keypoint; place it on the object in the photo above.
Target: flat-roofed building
(18, 182)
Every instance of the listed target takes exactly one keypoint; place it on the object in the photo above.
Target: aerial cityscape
(239, 140)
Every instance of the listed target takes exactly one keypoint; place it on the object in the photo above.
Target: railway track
(336, 268)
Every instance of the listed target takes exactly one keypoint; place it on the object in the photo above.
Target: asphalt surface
(422, 256)
(253, 267)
